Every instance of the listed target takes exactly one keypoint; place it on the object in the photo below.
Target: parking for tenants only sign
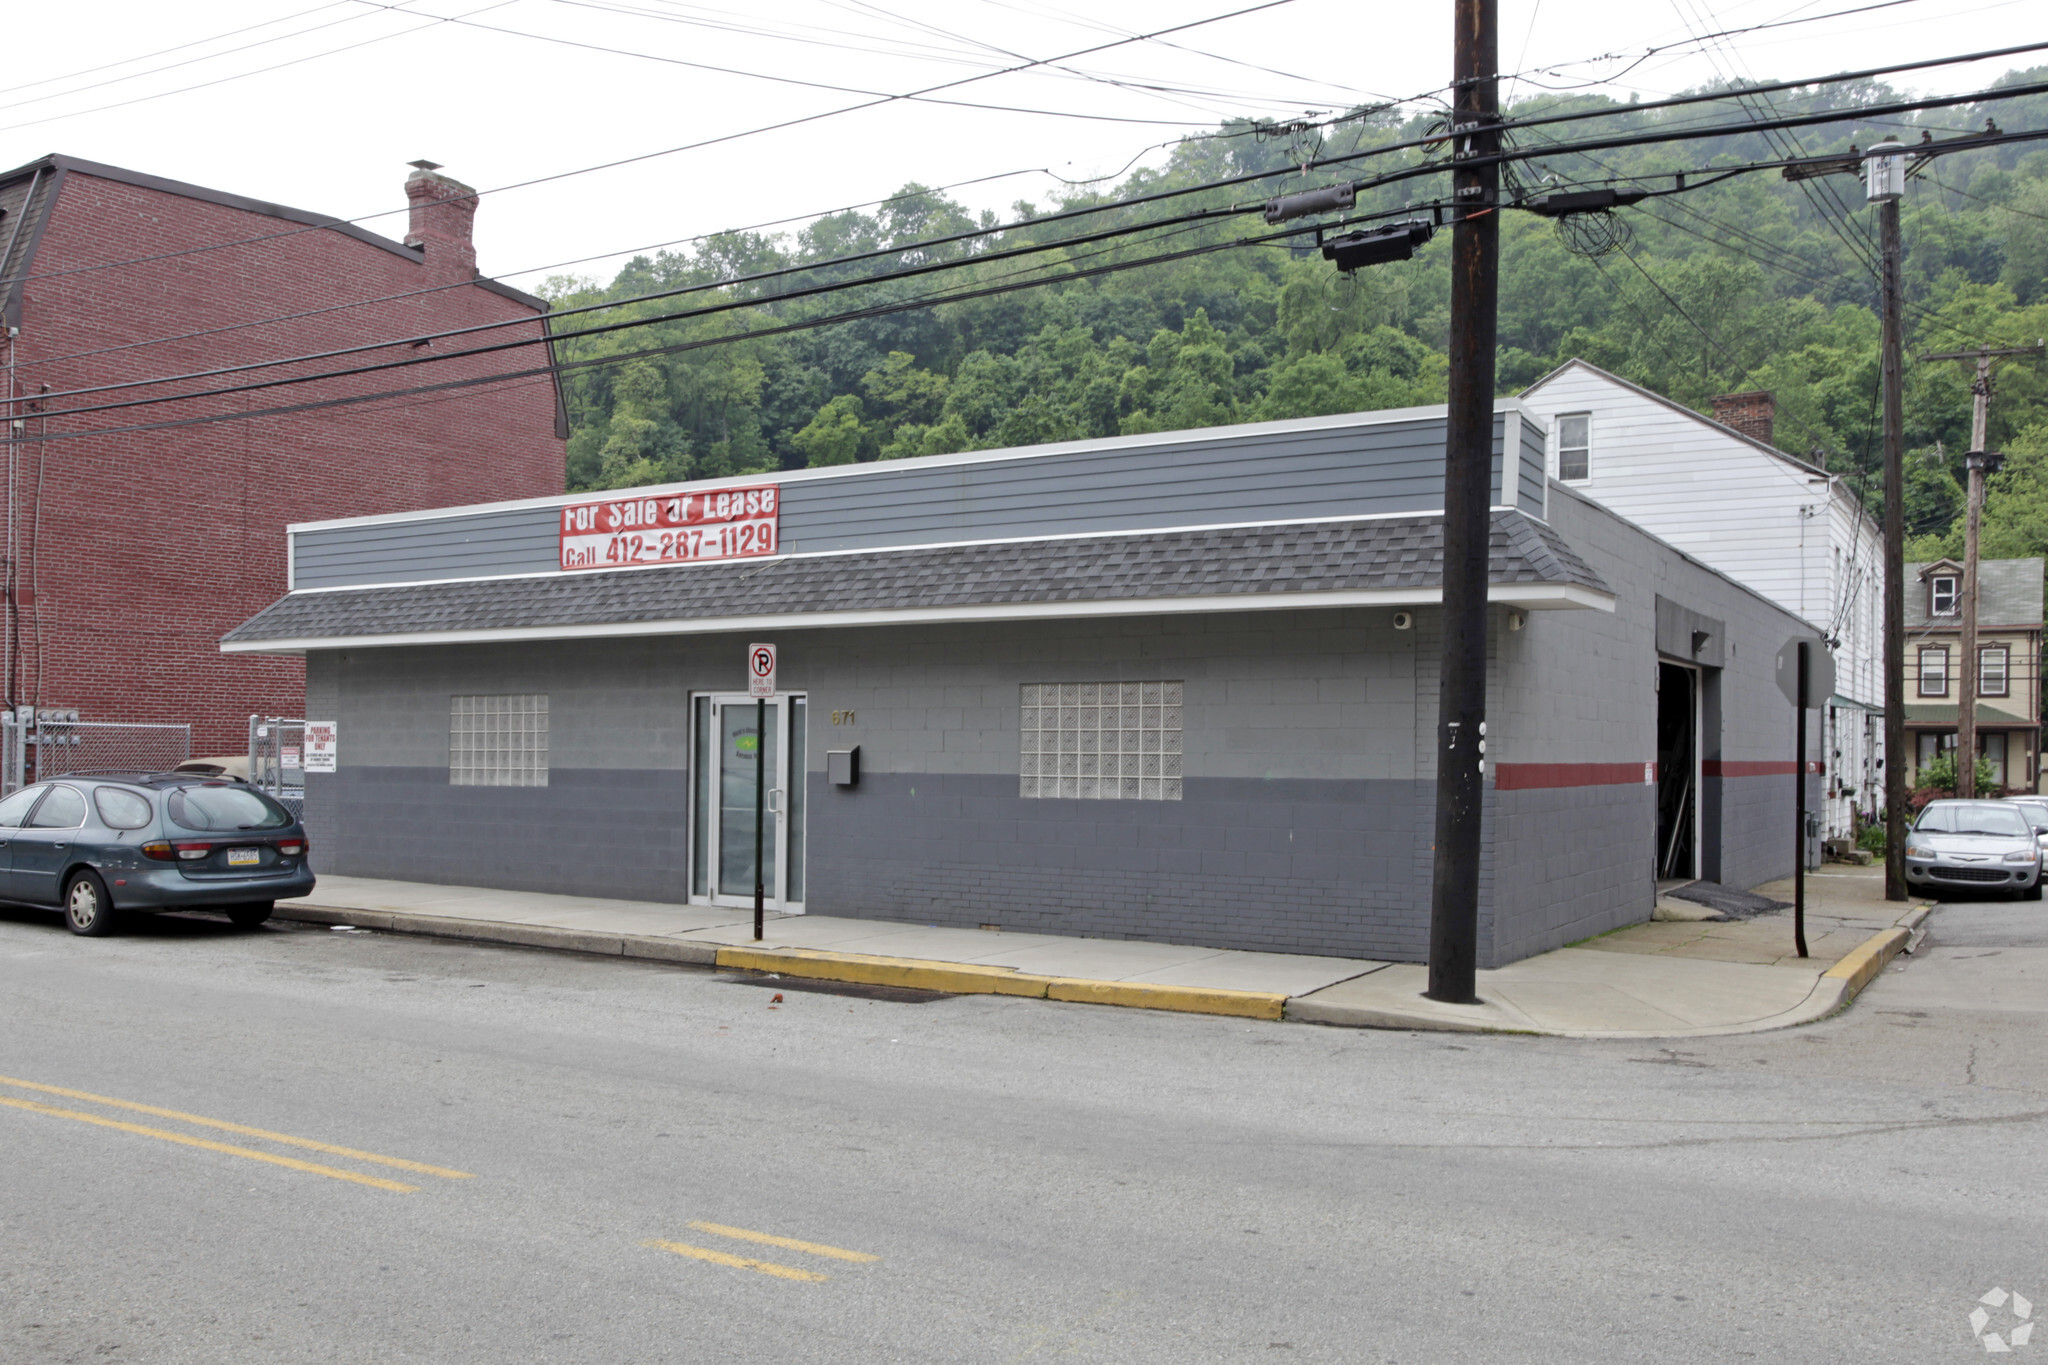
(681, 528)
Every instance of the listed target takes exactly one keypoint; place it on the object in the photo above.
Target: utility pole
(1468, 499)
(1980, 463)
(1884, 183)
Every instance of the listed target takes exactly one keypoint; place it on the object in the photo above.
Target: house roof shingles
(1391, 553)
(2008, 595)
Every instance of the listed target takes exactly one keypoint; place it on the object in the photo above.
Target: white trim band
(1530, 596)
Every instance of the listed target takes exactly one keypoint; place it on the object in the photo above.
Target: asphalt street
(306, 1145)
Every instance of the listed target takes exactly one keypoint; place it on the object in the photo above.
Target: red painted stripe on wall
(1509, 777)
(1776, 767)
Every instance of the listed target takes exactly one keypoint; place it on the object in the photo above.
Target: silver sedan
(1976, 846)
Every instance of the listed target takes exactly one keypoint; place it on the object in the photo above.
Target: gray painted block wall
(1354, 468)
(1309, 761)
(1579, 687)
(1303, 828)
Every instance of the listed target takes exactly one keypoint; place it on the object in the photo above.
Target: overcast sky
(320, 103)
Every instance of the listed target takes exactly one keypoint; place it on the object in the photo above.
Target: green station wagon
(100, 844)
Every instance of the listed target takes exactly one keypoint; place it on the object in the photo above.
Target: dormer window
(1944, 592)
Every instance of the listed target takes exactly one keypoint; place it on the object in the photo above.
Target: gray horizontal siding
(1367, 469)
(1535, 466)
(477, 545)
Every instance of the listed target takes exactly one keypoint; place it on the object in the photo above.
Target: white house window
(498, 741)
(1993, 671)
(1575, 446)
(1944, 593)
(1989, 747)
(1111, 741)
(1934, 670)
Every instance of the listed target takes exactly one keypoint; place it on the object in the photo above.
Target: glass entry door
(734, 753)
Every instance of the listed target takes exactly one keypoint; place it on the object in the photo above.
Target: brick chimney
(442, 209)
(1749, 413)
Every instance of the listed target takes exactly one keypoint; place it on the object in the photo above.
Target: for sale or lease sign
(322, 743)
(681, 528)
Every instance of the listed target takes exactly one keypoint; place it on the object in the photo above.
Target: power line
(432, 21)
(1691, 40)
(895, 250)
(1320, 163)
(1120, 82)
(700, 343)
(1989, 203)
(1931, 318)
(670, 151)
(165, 52)
(877, 95)
(1086, 22)
(758, 277)
(531, 270)
(701, 237)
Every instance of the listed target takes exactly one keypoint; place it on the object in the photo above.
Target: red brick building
(125, 556)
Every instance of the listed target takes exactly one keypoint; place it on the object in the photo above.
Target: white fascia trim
(896, 549)
(1531, 596)
(1383, 417)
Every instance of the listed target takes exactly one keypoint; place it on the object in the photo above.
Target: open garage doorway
(1678, 772)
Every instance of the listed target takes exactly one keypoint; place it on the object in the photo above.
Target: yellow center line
(246, 1131)
(786, 1243)
(188, 1141)
(786, 1272)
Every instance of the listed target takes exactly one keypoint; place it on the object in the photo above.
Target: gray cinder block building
(1176, 687)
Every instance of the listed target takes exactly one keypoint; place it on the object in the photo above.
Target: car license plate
(243, 857)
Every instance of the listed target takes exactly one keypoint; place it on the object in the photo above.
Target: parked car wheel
(253, 914)
(88, 909)
(2032, 893)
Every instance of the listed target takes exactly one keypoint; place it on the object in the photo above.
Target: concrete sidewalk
(1651, 980)
(1661, 979)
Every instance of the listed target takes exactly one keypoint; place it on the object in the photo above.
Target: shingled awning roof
(1390, 561)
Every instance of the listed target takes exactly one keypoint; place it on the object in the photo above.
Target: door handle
(775, 800)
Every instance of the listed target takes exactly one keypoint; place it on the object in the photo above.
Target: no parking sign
(760, 670)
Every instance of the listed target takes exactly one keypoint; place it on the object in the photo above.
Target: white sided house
(1718, 489)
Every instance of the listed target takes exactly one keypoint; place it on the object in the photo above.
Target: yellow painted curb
(954, 978)
(961, 978)
(1147, 996)
(1866, 960)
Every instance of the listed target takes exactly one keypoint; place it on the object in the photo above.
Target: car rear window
(63, 808)
(225, 807)
(122, 809)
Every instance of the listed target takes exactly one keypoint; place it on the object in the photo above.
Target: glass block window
(498, 741)
(1106, 741)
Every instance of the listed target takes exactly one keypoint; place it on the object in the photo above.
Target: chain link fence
(277, 746)
(35, 747)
